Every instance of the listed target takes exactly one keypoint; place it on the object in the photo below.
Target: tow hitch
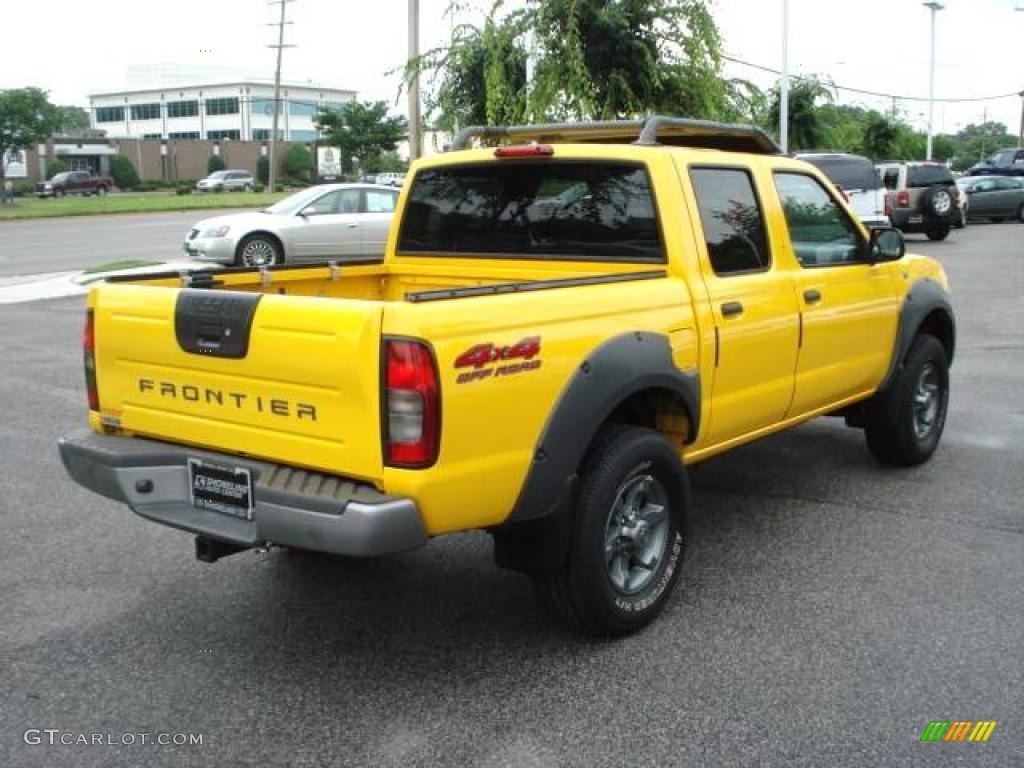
(211, 550)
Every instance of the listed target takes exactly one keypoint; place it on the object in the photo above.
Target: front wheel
(904, 425)
(938, 233)
(101, 191)
(627, 537)
(258, 251)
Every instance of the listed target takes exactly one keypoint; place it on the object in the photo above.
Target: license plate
(227, 490)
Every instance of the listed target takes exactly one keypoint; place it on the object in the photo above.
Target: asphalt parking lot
(829, 608)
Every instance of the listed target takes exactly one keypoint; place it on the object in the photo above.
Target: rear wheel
(996, 219)
(258, 251)
(627, 537)
(904, 425)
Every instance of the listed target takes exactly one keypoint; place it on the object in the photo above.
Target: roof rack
(651, 131)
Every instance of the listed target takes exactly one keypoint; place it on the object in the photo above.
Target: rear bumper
(292, 507)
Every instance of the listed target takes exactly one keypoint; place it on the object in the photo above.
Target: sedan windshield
(295, 203)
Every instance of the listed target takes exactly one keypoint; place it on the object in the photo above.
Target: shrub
(54, 167)
(183, 188)
(215, 163)
(24, 189)
(298, 162)
(148, 186)
(123, 172)
(263, 169)
(258, 187)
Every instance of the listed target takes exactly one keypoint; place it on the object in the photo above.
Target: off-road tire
(892, 428)
(937, 203)
(937, 233)
(997, 219)
(582, 592)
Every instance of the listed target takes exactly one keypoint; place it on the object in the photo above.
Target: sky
(879, 45)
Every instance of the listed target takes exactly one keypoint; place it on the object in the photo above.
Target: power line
(897, 96)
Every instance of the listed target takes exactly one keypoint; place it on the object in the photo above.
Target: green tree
(26, 117)
(880, 138)
(123, 172)
(805, 127)
(298, 162)
(362, 130)
(73, 119)
(263, 169)
(215, 163)
(54, 167)
(592, 59)
(978, 141)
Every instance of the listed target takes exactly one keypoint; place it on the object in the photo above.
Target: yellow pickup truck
(566, 316)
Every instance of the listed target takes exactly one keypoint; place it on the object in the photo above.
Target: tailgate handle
(215, 323)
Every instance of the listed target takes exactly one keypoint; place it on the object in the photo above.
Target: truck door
(753, 304)
(848, 305)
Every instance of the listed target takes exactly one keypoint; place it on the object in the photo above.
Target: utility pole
(414, 82)
(784, 82)
(1020, 138)
(935, 7)
(272, 180)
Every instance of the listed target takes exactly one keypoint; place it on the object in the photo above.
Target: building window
(222, 106)
(301, 108)
(182, 108)
(145, 111)
(152, 136)
(183, 135)
(302, 135)
(262, 107)
(333, 106)
(109, 114)
(263, 134)
(231, 135)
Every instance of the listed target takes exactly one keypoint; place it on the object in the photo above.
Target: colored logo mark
(959, 730)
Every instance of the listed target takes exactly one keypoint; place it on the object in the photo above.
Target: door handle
(731, 308)
(812, 296)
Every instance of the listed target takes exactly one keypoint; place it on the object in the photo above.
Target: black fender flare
(619, 368)
(923, 300)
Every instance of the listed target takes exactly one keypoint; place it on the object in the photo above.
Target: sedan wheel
(259, 251)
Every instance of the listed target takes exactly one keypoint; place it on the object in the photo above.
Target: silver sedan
(330, 221)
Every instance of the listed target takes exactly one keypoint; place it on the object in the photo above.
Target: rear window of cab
(550, 209)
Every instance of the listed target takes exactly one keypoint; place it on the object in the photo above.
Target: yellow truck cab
(566, 317)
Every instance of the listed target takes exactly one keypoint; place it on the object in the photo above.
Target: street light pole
(784, 82)
(935, 7)
(415, 140)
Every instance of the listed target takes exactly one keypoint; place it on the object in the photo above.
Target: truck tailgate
(285, 378)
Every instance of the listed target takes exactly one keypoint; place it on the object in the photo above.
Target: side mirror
(887, 244)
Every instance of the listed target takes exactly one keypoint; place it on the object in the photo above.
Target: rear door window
(926, 175)
(575, 210)
(732, 220)
(848, 172)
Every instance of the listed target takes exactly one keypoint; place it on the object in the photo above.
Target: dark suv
(1005, 162)
(922, 197)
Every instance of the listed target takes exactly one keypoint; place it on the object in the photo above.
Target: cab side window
(732, 220)
(820, 231)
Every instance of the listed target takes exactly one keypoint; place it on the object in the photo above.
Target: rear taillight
(903, 199)
(412, 404)
(89, 359)
(887, 208)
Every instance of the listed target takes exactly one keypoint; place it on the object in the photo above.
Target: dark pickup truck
(74, 183)
(1005, 162)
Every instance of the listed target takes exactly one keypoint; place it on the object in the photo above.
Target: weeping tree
(806, 129)
(590, 59)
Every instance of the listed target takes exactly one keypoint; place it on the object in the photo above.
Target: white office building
(228, 111)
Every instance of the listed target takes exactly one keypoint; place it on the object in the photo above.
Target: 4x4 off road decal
(488, 360)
